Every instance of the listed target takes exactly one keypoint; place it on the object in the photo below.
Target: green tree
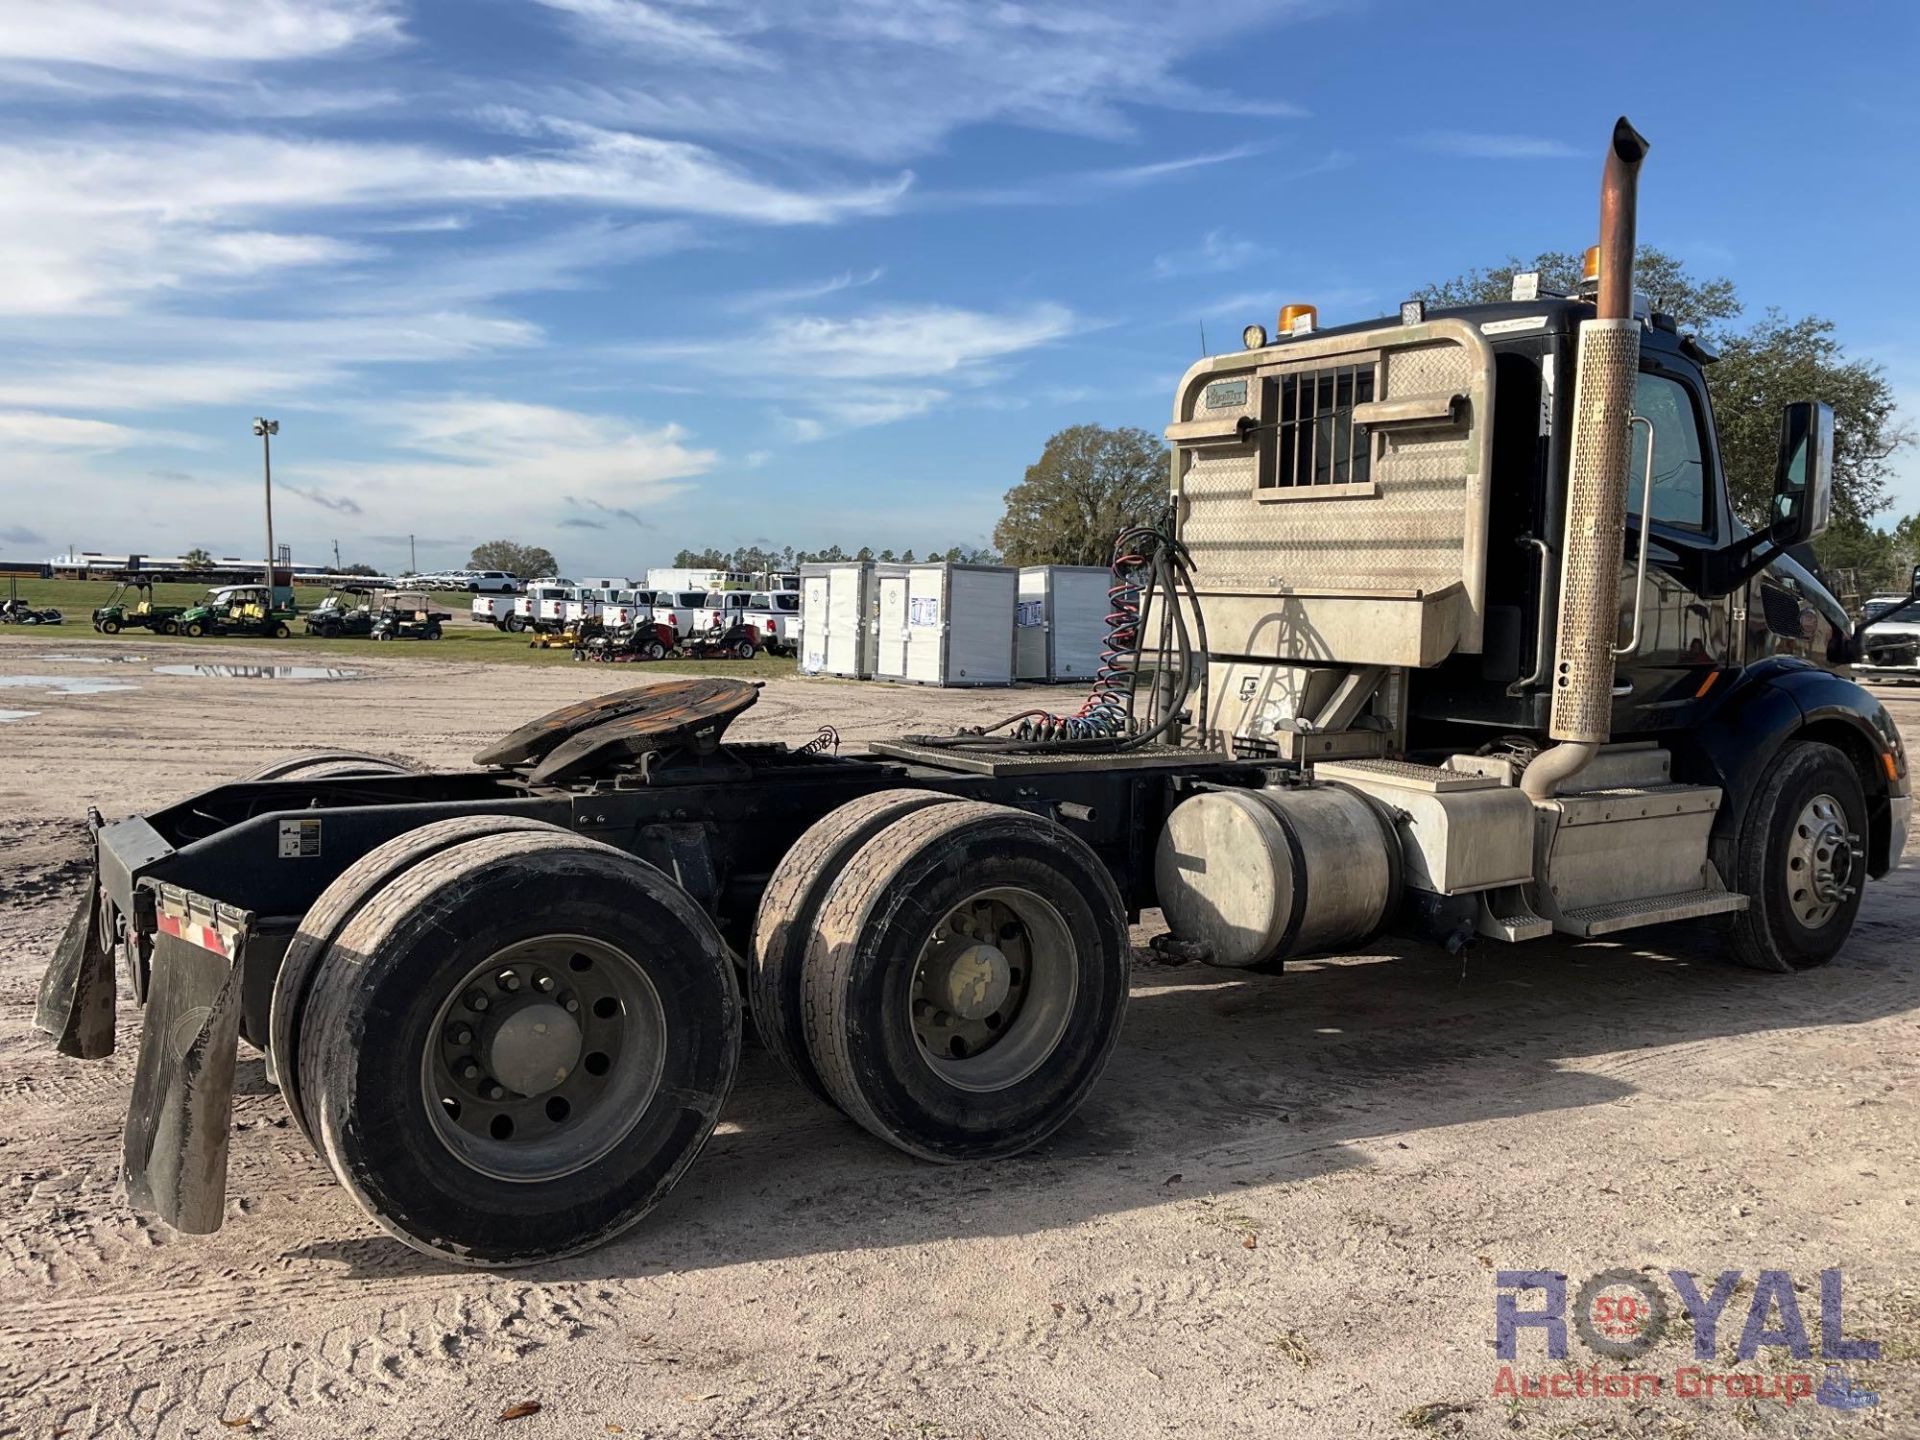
(1699, 306)
(1088, 485)
(1763, 366)
(197, 559)
(1780, 360)
(529, 562)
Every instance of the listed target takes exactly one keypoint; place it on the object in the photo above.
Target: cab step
(1588, 921)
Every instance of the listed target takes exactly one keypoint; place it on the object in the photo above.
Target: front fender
(1784, 698)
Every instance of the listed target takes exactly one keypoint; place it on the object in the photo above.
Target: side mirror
(1803, 477)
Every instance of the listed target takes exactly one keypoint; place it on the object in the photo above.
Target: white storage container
(836, 618)
(1060, 623)
(945, 624)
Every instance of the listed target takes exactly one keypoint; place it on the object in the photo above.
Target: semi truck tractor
(1450, 631)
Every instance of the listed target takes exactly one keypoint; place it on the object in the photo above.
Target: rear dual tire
(467, 1168)
(964, 976)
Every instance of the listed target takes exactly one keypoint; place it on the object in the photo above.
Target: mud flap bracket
(175, 1160)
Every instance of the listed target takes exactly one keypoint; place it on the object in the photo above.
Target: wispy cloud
(1078, 186)
(1218, 251)
(87, 222)
(182, 36)
(889, 80)
(830, 374)
(1475, 145)
(779, 297)
(338, 504)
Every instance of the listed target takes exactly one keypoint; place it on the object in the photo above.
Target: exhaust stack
(1608, 360)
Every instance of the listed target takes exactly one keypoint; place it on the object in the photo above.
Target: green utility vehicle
(238, 610)
(131, 607)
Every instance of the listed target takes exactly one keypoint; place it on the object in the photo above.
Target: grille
(1316, 441)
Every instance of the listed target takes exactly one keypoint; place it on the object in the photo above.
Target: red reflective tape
(200, 935)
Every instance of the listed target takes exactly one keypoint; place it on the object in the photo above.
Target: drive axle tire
(514, 1049)
(328, 916)
(789, 910)
(966, 981)
(1800, 857)
(331, 764)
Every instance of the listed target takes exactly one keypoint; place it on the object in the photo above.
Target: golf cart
(407, 615)
(238, 610)
(131, 607)
(347, 609)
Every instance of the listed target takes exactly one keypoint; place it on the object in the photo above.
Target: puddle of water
(101, 659)
(6, 715)
(260, 672)
(62, 684)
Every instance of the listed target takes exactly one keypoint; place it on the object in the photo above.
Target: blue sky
(618, 276)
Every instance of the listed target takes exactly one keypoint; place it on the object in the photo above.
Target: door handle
(1646, 533)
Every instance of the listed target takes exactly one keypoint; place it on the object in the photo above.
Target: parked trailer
(944, 624)
(1355, 723)
(1060, 622)
(837, 632)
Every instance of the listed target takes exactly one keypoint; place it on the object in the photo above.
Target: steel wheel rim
(992, 989)
(588, 1075)
(1822, 854)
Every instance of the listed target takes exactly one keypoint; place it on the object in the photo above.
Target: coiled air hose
(1149, 564)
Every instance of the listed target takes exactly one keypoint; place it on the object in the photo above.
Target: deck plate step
(1591, 920)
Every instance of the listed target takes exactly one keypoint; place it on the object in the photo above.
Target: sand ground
(1281, 1213)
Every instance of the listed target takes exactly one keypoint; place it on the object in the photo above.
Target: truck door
(1685, 638)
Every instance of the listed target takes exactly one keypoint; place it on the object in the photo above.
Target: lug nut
(494, 1092)
(543, 982)
(508, 981)
(476, 1001)
(570, 1005)
(469, 1071)
(460, 1035)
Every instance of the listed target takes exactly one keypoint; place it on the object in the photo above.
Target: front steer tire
(1773, 932)
(377, 1016)
(1028, 912)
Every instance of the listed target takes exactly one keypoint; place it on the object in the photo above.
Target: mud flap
(77, 992)
(175, 1161)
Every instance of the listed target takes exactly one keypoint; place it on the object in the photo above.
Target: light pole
(266, 430)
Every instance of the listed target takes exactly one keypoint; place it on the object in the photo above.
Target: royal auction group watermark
(1622, 1314)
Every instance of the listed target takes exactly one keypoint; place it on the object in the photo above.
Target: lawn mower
(738, 641)
(648, 640)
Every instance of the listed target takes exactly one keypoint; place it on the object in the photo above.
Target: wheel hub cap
(977, 982)
(534, 1049)
(992, 989)
(1822, 856)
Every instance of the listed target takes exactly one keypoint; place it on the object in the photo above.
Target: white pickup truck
(776, 614)
(494, 610)
(543, 607)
